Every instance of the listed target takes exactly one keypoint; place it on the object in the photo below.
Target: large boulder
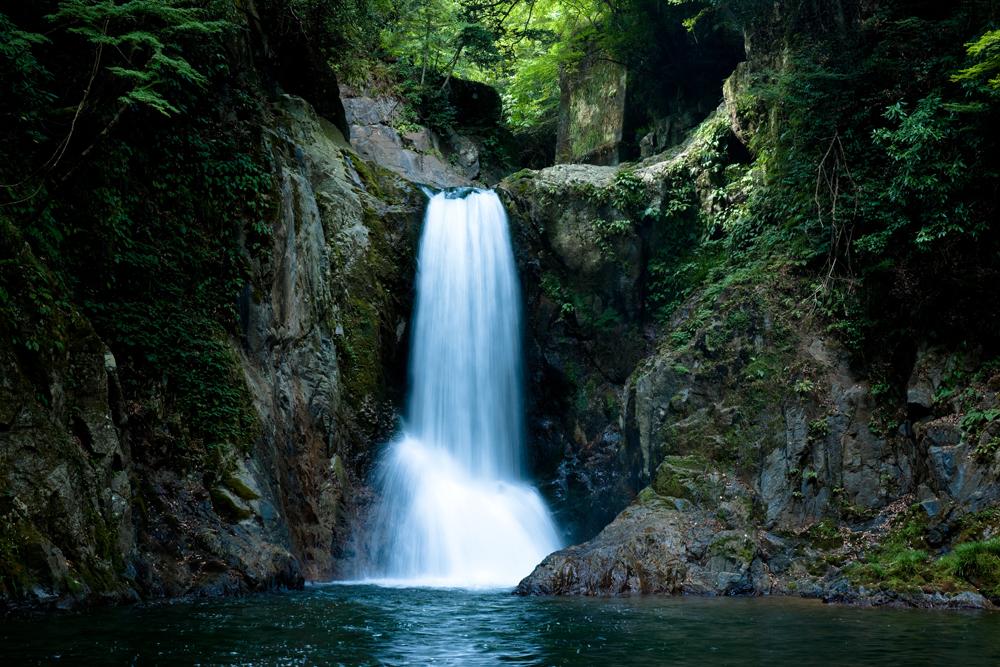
(688, 532)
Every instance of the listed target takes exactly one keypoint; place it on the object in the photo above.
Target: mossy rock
(825, 536)
(228, 506)
(652, 500)
(734, 546)
(75, 587)
(683, 477)
(97, 580)
(239, 488)
(647, 496)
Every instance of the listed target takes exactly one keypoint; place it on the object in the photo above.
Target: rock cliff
(103, 495)
(743, 448)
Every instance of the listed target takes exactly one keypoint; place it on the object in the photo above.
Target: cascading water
(456, 508)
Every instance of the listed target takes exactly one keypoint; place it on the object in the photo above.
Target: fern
(140, 32)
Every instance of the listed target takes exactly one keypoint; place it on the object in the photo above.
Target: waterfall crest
(456, 508)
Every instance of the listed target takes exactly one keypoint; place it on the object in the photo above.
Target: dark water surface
(367, 625)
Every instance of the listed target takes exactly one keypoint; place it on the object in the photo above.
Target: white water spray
(456, 509)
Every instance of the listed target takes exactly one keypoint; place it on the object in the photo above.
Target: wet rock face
(828, 469)
(695, 531)
(582, 292)
(583, 252)
(339, 278)
(747, 384)
(384, 146)
(592, 103)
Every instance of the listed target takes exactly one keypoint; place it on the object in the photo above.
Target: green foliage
(609, 320)
(825, 534)
(979, 562)
(445, 37)
(142, 31)
(606, 231)
(171, 279)
(430, 105)
(974, 420)
(818, 429)
(22, 76)
(902, 562)
(875, 169)
(803, 386)
(628, 194)
(987, 49)
(928, 175)
(343, 32)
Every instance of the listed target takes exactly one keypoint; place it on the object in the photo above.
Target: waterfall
(456, 507)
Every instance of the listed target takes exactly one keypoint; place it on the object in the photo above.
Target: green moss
(16, 552)
(979, 563)
(737, 322)
(227, 508)
(360, 350)
(972, 527)
(684, 477)
(239, 488)
(104, 539)
(740, 548)
(693, 463)
(97, 580)
(646, 496)
(367, 173)
(523, 175)
(903, 564)
(608, 320)
(584, 396)
(825, 535)
(339, 471)
(610, 405)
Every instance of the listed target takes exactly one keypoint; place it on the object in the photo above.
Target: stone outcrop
(582, 293)
(420, 155)
(592, 96)
(339, 278)
(820, 476)
(66, 504)
(583, 244)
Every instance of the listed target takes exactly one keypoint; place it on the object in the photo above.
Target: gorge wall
(701, 419)
(104, 496)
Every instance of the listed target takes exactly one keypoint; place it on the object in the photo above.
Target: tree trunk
(451, 67)
(427, 45)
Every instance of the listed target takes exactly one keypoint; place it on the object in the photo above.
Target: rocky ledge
(693, 532)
